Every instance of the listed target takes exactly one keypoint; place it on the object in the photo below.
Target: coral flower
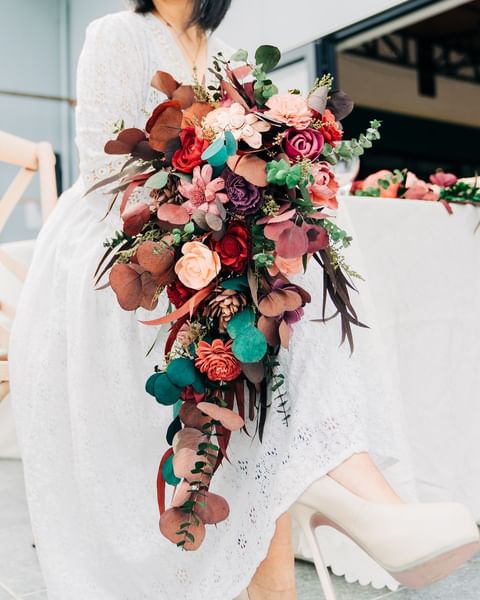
(244, 126)
(198, 266)
(217, 360)
(286, 266)
(203, 192)
(323, 191)
(291, 109)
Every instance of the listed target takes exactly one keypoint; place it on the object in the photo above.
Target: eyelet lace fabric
(91, 438)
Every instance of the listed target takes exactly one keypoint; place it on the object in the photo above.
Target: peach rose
(323, 191)
(217, 360)
(291, 109)
(198, 266)
(372, 182)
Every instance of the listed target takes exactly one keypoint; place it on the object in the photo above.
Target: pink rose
(291, 109)
(304, 143)
(323, 191)
(198, 266)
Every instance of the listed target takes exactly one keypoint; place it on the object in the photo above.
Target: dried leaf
(185, 95)
(127, 285)
(251, 167)
(155, 257)
(126, 141)
(269, 327)
(170, 522)
(340, 104)
(196, 113)
(174, 214)
(135, 218)
(215, 511)
(229, 419)
(165, 83)
(279, 301)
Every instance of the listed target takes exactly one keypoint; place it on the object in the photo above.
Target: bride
(91, 440)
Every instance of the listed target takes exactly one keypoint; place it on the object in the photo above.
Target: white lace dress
(92, 439)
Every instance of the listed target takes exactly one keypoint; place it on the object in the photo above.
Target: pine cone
(224, 306)
(167, 194)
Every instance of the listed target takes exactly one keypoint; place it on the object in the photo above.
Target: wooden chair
(31, 158)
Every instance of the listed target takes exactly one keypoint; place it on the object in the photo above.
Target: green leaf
(250, 345)
(157, 181)
(241, 321)
(189, 227)
(268, 57)
(150, 385)
(182, 372)
(240, 55)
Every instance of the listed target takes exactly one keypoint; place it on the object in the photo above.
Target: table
(421, 297)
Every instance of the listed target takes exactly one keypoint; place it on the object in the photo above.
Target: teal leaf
(230, 143)
(268, 57)
(157, 181)
(150, 385)
(250, 345)
(173, 428)
(182, 372)
(168, 473)
(166, 392)
(239, 284)
(242, 320)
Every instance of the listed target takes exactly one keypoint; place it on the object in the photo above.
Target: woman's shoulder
(117, 24)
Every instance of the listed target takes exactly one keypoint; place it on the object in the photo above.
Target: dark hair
(208, 14)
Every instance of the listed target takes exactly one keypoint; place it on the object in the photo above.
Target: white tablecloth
(421, 297)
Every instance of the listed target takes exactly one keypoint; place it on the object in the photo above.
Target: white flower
(243, 126)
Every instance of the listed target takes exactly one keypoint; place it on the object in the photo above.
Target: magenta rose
(303, 143)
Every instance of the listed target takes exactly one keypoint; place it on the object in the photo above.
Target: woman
(90, 439)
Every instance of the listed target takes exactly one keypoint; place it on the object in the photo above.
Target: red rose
(190, 154)
(233, 248)
(178, 293)
(331, 130)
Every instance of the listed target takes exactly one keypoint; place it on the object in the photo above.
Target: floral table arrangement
(234, 193)
(441, 187)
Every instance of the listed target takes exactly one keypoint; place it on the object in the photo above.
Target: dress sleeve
(110, 88)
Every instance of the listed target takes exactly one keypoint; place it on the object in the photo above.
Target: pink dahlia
(203, 192)
(291, 109)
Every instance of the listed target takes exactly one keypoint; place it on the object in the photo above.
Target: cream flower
(198, 266)
(291, 109)
(244, 126)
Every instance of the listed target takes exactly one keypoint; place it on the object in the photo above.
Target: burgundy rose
(190, 154)
(303, 143)
(178, 293)
(233, 247)
(244, 197)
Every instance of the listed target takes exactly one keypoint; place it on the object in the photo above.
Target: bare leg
(275, 577)
(360, 475)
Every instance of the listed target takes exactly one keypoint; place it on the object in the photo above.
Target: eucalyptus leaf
(239, 322)
(268, 56)
(250, 345)
(157, 181)
(240, 55)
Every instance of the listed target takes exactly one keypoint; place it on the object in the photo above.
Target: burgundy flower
(244, 197)
(303, 143)
(178, 293)
(233, 247)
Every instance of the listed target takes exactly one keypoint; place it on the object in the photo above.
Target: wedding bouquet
(233, 189)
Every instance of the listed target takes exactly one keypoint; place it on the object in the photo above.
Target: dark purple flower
(245, 197)
(303, 143)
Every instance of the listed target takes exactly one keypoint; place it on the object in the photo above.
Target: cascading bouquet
(230, 184)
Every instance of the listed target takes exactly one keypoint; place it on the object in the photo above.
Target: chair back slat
(31, 158)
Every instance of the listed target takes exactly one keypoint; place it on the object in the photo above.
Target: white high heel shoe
(416, 543)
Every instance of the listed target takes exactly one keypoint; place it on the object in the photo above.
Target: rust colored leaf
(228, 418)
(188, 437)
(216, 509)
(269, 327)
(273, 231)
(165, 83)
(135, 217)
(149, 291)
(126, 141)
(155, 257)
(193, 116)
(317, 238)
(191, 416)
(127, 285)
(285, 334)
(184, 95)
(250, 167)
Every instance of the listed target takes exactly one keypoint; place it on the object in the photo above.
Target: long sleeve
(110, 88)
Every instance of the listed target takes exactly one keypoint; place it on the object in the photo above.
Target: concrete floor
(20, 575)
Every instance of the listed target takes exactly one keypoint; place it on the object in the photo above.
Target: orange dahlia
(217, 360)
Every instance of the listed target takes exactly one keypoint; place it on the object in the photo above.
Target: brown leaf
(135, 217)
(170, 522)
(149, 291)
(250, 167)
(254, 372)
(125, 142)
(285, 334)
(216, 509)
(184, 95)
(181, 495)
(165, 83)
(279, 301)
(188, 437)
(127, 285)
(155, 257)
(269, 328)
(192, 417)
(229, 419)
(164, 124)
